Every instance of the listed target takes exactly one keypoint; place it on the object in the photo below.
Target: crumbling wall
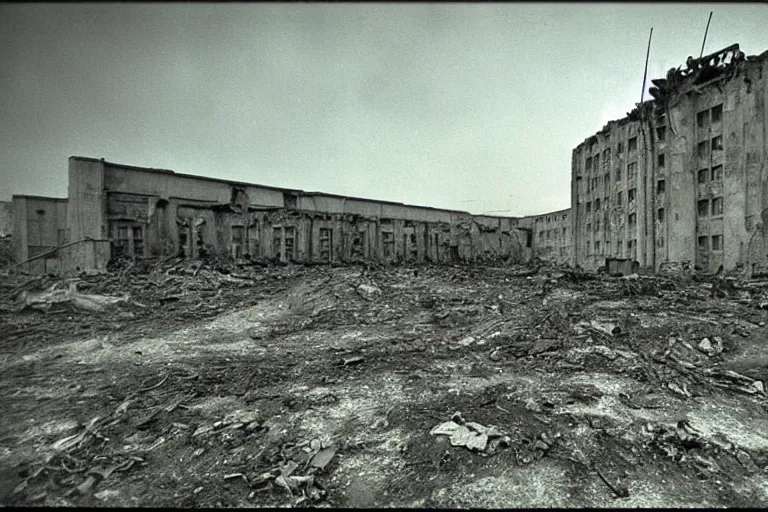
(6, 218)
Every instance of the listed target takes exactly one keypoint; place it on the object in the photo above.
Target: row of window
(631, 173)
(549, 218)
(606, 246)
(705, 210)
(714, 174)
(712, 115)
(631, 196)
(549, 233)
(716, 245)
(595, 160)
(704, 147)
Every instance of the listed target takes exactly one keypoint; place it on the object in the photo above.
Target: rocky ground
(196, 385)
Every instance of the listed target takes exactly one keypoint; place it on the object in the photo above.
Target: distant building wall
(150, 213)
(552, 240)
(40, 225)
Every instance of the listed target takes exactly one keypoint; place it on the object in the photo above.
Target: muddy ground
(298, 386)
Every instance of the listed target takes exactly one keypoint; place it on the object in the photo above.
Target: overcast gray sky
(468, 106)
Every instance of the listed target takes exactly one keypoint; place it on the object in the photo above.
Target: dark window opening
(717, 173)
(703, 176)
(589, 207)
(661, 160)
(703, 243)
(660, 186)
(277, 242)
(632, 194)
(717, 206)
(717, 242)
(238, 241)
(325, 244)
(661, 132)
(619, 199)
(717, 143)
(702, 118)
(717, 114)
(703, 207)
(120, 244)
(388, 239)
(702, 149)
(619, 148)
(660, 214)
(632, 144)
(290, 243)
(138, 241)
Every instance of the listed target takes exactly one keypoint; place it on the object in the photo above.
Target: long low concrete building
(116, 210)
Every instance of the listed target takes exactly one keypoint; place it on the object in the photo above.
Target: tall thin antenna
(645, 73)
(705, 35)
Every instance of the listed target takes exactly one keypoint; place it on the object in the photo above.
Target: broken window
(277, 242)
(703, 207)
(594, 183)
(661, 133)
(290, 243)
(588, 165)
(632, 220)
(606, 158)
(325, 244)
(660, 160)
(619, 148)
(528, 239)
(589, 207)
(632, 194)
(717, 115)
(253, 240)
(717, 206)
(632, 144)
(703, 175)
(717, 173)
(238, 241)
(660, 214)
(660, 186)
(717, 242)
(138, 241)
(597, 204)
(563, 231)
(703, 243)
(596, 162)
(619, 199)
(702, 149)
(589, 227)
(717, 143)
(597, 225)
(120, 243)
(183, 240)
(618, 174)
(597, 247)
(388, 242)
(702, 118)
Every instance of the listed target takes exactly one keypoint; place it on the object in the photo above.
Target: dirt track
(154, 408)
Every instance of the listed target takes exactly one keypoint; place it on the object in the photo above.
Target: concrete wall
(150, 213)
(40, 225)
(6, 218)
(552, 236)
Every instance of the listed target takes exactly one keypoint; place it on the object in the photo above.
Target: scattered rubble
(218, 384)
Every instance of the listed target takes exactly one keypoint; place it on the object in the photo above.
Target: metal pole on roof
(645, 73)
(705, 34)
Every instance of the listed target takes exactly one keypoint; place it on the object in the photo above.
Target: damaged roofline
(298, 192)
(29, 196)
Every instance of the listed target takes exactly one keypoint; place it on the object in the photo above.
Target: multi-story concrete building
(683, 177)
(551, 233)
(115, 210)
